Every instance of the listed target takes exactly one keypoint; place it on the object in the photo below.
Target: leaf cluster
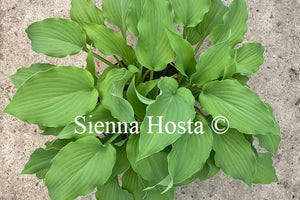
(159, 76)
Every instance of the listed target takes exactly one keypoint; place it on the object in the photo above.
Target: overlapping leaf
(122, 162)
(240, 106)
(40, 160)
(85, 11)
(109, 42)
(111, 93)
(211, 19)
(132, 182)
(85, 125)
(189, 13)
(79, 167)
(116, 12)
(90, 66)
(265, 172)
(212, 63)
(153, 168)
(185, 58)
(248, 58)
(56, 37)
(153, 49)
(166, 105)
(209, 169)
(112, 191)
(23, 74)
(138, 106)
(183, 161)
(55, 97)
(234, 155)
(134, 15)
(234, 26)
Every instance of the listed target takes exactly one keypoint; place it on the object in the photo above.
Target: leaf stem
(140, 73)
(112, 139)
(198, 46)
(184, 33)
(151, 75)
(119, 62)
(99, 57)
(146, 73)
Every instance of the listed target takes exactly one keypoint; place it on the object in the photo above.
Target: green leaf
(209, 169)
(185, 58)
(79, 167)
(138, 106)
(132, 182)
(189, 13)
(55, 97)
(189, 153)
(165, 105)
(122, 163)
(42, 174)
(234, 155)
(158, 194)
(211, 19)
(248, 58)
(153, 49)
(109, 42)
(56, 37)
(85, 11)
(269, 142)
(134, 15)
(153, 168)
(111, 93)
(212, 64)
(40, 160)
(146, 87)
(112, 191)
(234, 26)
(52, 130)
(265, 172)
(58, 144)
(116, 12)
(90, 66)
(24, 73)
(242, 79)
(193, 36)
(239, 105)
(83, 128)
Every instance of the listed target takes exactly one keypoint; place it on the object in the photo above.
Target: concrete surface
(274, 23)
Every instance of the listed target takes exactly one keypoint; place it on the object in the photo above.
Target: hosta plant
(147, 124)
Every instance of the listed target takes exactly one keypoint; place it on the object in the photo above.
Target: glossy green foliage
(153, 115)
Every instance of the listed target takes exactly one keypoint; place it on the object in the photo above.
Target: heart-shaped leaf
(79, 167)
(56, 37)
(55, 97)
(166, 105)
(239, 105)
